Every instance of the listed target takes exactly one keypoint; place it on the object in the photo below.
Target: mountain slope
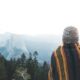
(12, 46)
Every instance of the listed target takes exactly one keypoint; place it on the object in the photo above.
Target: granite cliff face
(12, 46)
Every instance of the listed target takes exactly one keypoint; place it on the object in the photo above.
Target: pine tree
(45, 71)
(3, 75)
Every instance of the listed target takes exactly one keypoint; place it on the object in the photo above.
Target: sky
(38, 17)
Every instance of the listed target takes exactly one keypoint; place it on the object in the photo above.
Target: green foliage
(3, 74)
(23, 68)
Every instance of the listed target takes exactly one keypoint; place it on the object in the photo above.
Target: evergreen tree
(10, 67)
(45, 71)
(23, 60)
(30, 66)
(35, 54)
(3, 75)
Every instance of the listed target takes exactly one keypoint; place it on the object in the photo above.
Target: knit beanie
(70, 35)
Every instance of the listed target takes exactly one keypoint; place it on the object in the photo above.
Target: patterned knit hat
(70, 35)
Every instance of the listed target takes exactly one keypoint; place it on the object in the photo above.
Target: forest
(23, 68)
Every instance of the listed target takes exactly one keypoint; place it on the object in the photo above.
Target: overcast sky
(37, 17)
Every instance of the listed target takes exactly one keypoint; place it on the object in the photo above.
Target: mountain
(12, 45)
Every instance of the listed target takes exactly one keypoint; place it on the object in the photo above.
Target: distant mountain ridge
(12, 45)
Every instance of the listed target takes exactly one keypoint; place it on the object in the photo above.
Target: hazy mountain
(12, 46)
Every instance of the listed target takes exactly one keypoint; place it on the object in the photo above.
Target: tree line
(23, 68)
